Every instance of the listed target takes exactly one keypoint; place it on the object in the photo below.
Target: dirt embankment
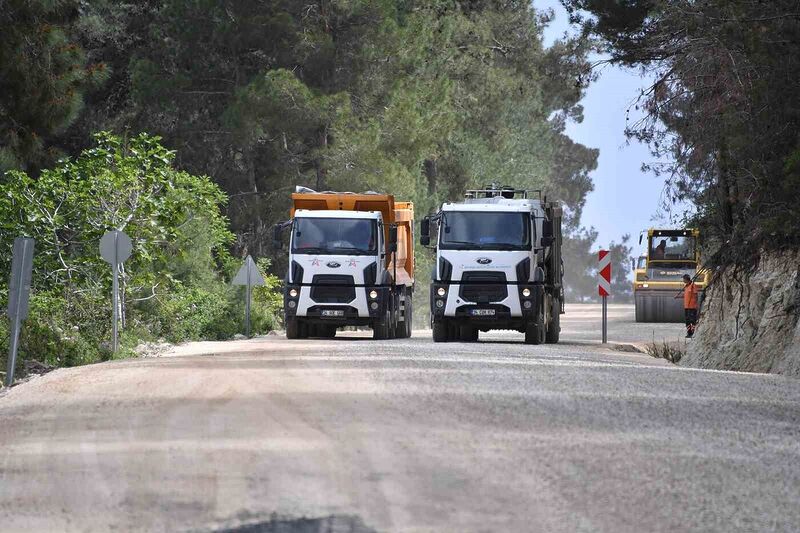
(751, 321)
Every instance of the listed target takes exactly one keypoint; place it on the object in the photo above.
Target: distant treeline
(418, 98)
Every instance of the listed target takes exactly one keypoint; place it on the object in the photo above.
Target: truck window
(345, 236)
(464, 230)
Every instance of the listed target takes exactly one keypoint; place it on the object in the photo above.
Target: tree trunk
(429, 167)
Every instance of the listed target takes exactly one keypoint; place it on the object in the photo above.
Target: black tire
(382, 329)
(534, 331)
(328, 331)
(468, 334)
(292, 328)
(394, 318)
(554, 328)
(409, 318)
(440, 332)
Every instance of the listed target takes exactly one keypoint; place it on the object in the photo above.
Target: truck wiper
(312, 250)
(345, 250)
(506, 246)
(465, 243)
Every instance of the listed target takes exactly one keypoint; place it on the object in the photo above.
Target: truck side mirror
(640, 238)
(547, 233)
(277, 241)
(392, 238)
(633, 263)
(425, 232)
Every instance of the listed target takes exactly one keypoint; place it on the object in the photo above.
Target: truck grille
(330, 289)
(483, 287)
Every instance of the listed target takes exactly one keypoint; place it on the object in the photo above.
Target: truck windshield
(344, 236)
(675, 248)
(469, 230)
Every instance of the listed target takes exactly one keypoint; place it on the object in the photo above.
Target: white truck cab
(345, 268)
(498, 266)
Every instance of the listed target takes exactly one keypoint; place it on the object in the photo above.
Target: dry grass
(671, 351)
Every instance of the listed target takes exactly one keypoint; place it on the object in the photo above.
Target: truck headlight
(439, 304)
(441, 291)
(293, 293)
(292, 304)
(373, 294)
(527, 304)
(526, 292)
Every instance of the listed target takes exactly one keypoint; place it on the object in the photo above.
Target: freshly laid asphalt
(358, 435)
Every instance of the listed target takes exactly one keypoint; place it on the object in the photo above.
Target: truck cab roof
(495, 204)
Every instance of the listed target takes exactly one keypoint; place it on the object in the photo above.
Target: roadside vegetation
(175, 286)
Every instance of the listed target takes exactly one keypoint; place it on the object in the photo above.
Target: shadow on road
(333, 524)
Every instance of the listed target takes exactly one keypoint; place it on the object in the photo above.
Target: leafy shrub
(175, 285)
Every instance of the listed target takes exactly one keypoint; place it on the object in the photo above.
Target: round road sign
(115, 247)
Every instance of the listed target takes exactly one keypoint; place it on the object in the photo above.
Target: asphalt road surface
(403, 435)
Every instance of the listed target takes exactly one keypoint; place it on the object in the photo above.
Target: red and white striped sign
(604, 270)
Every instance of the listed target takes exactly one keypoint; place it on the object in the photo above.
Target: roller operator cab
(498, 266)
(351, 263)
(670, 254)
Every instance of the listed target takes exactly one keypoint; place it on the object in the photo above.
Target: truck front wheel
(440, 332)
(381, 329)
(534, 331)
(294, 329)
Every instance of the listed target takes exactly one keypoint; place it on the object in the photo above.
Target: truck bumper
(361, 311)
(513, 312)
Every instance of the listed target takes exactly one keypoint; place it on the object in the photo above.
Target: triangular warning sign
(248, 274)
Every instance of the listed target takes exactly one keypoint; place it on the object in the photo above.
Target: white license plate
(482, 312)
(332, 312)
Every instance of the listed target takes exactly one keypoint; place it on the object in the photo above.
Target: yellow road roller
(670, 254)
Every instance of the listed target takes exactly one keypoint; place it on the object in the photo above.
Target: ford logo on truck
(333, 264)
(483, 260)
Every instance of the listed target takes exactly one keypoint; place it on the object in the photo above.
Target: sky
(625, 199)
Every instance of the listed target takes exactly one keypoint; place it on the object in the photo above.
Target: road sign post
(604, 286)
(115, 247)
(249, 276)
(18, 296)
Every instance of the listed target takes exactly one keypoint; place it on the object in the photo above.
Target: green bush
(176, 284)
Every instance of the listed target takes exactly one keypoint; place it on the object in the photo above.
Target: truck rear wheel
(394, 332)
(440, 332)
(404, 328)
(554, 328)
(409, 323)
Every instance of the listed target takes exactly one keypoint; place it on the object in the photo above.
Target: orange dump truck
(351, 263)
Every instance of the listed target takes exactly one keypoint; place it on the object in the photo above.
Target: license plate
(332, 312)
(482, 312)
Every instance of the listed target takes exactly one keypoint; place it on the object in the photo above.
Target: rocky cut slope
(751, 321)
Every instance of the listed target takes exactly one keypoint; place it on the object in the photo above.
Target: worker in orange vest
(690, 293)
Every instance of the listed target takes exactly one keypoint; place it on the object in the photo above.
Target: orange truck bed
(399, 213)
